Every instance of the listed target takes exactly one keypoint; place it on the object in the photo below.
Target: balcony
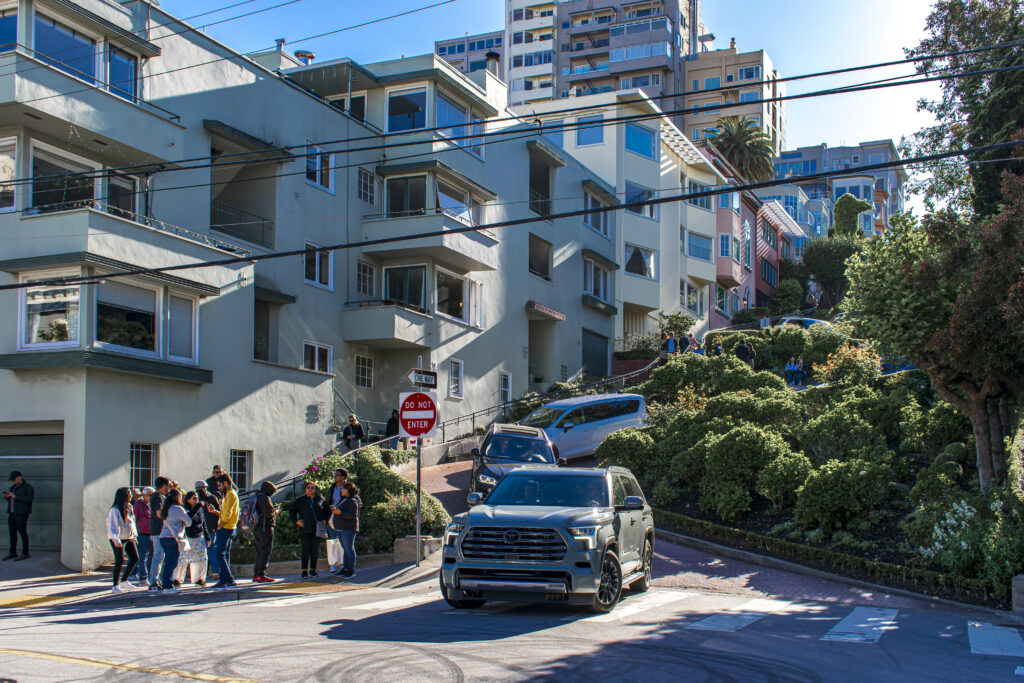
(467, 251)
(540, 204)
(729, 272)
(584, 69)
(387, 324)
(240, 224)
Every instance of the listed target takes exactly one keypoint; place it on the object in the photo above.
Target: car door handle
(632, 521)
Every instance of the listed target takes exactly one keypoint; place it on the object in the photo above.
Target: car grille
(513, 543)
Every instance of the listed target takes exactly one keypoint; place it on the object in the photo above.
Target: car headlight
(484, 479)
(587, 534)
(451, 532)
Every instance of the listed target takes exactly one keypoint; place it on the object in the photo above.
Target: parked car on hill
(577, 426)
(505, 448)
(806, 323)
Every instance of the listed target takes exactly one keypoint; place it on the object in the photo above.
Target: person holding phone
(331, 507)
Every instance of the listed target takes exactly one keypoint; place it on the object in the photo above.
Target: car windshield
(542, 418)
(578, 491)
(518, 448)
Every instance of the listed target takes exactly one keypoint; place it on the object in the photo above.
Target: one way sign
(423, 379)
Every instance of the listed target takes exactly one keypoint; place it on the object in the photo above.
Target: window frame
(406, 213)
(159, 316)
(438, 270)
(194, 359)
(12, 141)
(705, 203)
(372, 280)
(422, 306)
(643, 130)
(710, 247)
(585, 123)
(109, 52)
(724, 245)
(135, 447)
(47, 148)
(361, 368)
(99, 78)
(366, 186)
(407, 89)
(320, 152)
(318, 346)
(23, 304)
(504, 387)
(654, 262)
(317, 255)
(604, 218)
(597, 273)
(551, 255)
(648, 211)
(456, 381)
(247, 456)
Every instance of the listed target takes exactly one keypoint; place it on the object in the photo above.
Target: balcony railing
(540, 204)
(584, 69)
(239, 223)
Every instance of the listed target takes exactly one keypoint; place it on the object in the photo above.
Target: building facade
(469, 54)
(116, 380)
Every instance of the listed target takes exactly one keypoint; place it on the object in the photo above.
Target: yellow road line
(86, 661)
(35, 600)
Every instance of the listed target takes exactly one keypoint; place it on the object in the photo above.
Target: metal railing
(485, 416)
(379, 303)
(539, 203)
(237, 222)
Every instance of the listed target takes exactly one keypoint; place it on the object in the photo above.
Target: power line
(93, 279)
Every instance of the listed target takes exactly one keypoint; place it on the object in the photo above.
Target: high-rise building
(469, 54)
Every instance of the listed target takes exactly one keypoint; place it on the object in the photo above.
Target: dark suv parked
(505, 448)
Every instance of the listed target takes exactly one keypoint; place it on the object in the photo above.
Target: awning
(546, 153)
(118, 36)
(245, 141)
(604, 192)
(265, 290)
(543, 312)
(443, 171)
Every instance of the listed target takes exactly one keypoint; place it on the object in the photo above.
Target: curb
(784, 565)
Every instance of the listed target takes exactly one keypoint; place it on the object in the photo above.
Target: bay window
(8, 154)
(597, 220)
(407, 110)
(640, 261)
(405, 285)
(8, 29)
(699, 247)
(61, 182)
(127, 316)
(639, 193)
(49, 314)
(451, 295)
(452, 118)
(65, 48)
(595, 280)
(641, 140)
(407, 196)
(455, 203)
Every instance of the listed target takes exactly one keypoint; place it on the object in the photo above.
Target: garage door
(595, 354)
(40, 459)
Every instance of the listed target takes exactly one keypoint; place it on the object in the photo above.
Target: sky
(800, 36)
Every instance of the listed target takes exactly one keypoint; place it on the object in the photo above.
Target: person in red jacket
(140, 505)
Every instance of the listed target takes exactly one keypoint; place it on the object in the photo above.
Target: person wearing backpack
(225, 530)
(307, 514)
(263, 532)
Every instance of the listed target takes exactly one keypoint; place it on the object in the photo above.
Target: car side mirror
(475, 452)
(474, 498)
(567, 426)
(632, 503)
(562, 462)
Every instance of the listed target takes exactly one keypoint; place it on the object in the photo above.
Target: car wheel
(459, 603)
(644, 582)
(610, 589)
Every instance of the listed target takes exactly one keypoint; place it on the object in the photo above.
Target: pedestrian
(172, 537)
(263, 532)
(692, 341)
(699, 349)
(673, 343)
(751, 353)
(791, 370)
(140, 506)
(718, 349)
(353, 433)
(663, 349)
(742, 353)
(211, 483)
(211, 514)
(349, 514)
(194, 559)
(156, 527)
(19, 507)
(800, 371)
(225, 530)
(391, 429)
(331, 505)
(122, 533)
(307, 513)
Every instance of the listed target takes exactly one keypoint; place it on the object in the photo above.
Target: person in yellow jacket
(225, 530)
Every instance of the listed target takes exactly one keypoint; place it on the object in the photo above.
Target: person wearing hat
(391, 430)
(211, 513)
(140, 506)
(19, 507)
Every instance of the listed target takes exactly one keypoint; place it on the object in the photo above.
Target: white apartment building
(666, 251)
(206, 154)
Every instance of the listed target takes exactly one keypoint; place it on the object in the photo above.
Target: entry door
(595, 354)
(40, 459)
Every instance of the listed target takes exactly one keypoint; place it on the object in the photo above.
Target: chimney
(304, 56)
(492, 62)
(279, 44)
(732, 43)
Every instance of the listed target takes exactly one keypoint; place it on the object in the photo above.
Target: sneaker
(155, 588)
(117, 589)
(171, 591)
(176, 584)
(10, 556)
(312, 572)
(128, 585)
(201, 583)
(305, 575)
(22, 557)
(267, 579)
(340, 572)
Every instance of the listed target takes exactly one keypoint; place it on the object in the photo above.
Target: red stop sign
(418, 414)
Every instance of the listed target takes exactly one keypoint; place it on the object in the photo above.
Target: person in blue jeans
(349, 527)
(176, 520)
(226, 530)
(140, 505)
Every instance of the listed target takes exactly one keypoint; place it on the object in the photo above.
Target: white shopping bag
(334, 556)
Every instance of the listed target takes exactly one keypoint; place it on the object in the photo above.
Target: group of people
(795, 371)
(334, 518)
(353, 434)
(669, 345)
(160, 533)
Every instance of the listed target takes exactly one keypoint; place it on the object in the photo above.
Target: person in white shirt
(172, 537)
(122, 534)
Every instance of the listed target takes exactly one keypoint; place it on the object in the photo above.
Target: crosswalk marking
(740, 616)
(862, 625)
(637, 605)
(397, 603)
(988, 639)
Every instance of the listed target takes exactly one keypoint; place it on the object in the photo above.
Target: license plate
(512, 557)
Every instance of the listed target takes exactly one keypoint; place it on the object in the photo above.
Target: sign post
(417, 418)
(422, 379)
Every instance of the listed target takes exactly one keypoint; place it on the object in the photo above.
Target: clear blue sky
(801, 36)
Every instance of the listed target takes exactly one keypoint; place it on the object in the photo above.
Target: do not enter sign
(417, 414)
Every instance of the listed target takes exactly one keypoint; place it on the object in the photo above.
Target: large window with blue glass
(65, 48)
(8, 29)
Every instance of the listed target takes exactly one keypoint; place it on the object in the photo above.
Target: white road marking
(740, 616)
(302, 599)
(638, 605)
(397, 603)
(863, 625)
(987, 639)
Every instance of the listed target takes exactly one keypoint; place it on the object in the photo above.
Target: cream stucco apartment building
(131, 141)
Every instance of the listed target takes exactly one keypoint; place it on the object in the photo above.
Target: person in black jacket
(198, 535)
(330, 507)
(353, 433)
(349, 514)
(19, 507)
(263, 532)
(307, 513)
(391, 429)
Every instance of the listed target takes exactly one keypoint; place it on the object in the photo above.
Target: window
(695, 134)
(540, 186)
(785, 249)
(746, 243)
(49, 315)
(517, 15)
(724, 244)
(65, 48)
(364, 372)
(143, 464)
(698, 246)
(120, 195)
(478, 65)
(695, 87)
(405, 285)
(319, 267)
(366, 185)
(540, 257)
(595, 280)
(8, 29)
(455, 203)
(318, 167)
(517, 37)
(504, 387)
(240, 468)
(8, 149)
(63, 183)
(407, 110)
(451, 118)
(366, 277)
(769, 233)
(407, 196)
(641, 140)
(356, 104)
(640, 261)
(694, 298)
(590, 130)
(455, 383)
(181, 319)
(639, 193)
(316, 357)
(769, 273)
(451, 295)
(475, 144)
(554, 131)
(713, 83)
(749, 73)
(122, 73)
(750, 96)
(700, 202)
(599, 221)
(127, 316)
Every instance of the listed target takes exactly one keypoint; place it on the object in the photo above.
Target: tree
(825, 258)
(788, 297)
(846, 216)
(744, 145)
(971, 111)
(678, 323)
(949, 296)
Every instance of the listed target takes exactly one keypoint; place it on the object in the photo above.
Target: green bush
(634, 449)
(841, 491)
(732, 463)
(850, 366)
(779, 481)
(788, 297)
(688, 464)
(787, 341)
(745, 316)
(728, 499)
(822, 341)
(743, 378)
(635, 354)
(835, 434)
(698, 373)
(395, 517)
(938, 427)
(777, 410)
(892, 415)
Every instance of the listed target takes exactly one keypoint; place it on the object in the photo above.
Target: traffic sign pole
(417, 417)
(419, 512)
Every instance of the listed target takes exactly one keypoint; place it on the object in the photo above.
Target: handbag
(183, 545)
(321, 530)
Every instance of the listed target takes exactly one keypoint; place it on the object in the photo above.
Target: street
(707, 618)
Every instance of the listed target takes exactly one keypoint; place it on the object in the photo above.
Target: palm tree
(744, 145)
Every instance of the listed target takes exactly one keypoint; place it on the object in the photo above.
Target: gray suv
(572, 535)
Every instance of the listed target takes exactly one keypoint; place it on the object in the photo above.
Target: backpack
(249, 516)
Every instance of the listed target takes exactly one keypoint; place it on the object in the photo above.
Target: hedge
(898, 576)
